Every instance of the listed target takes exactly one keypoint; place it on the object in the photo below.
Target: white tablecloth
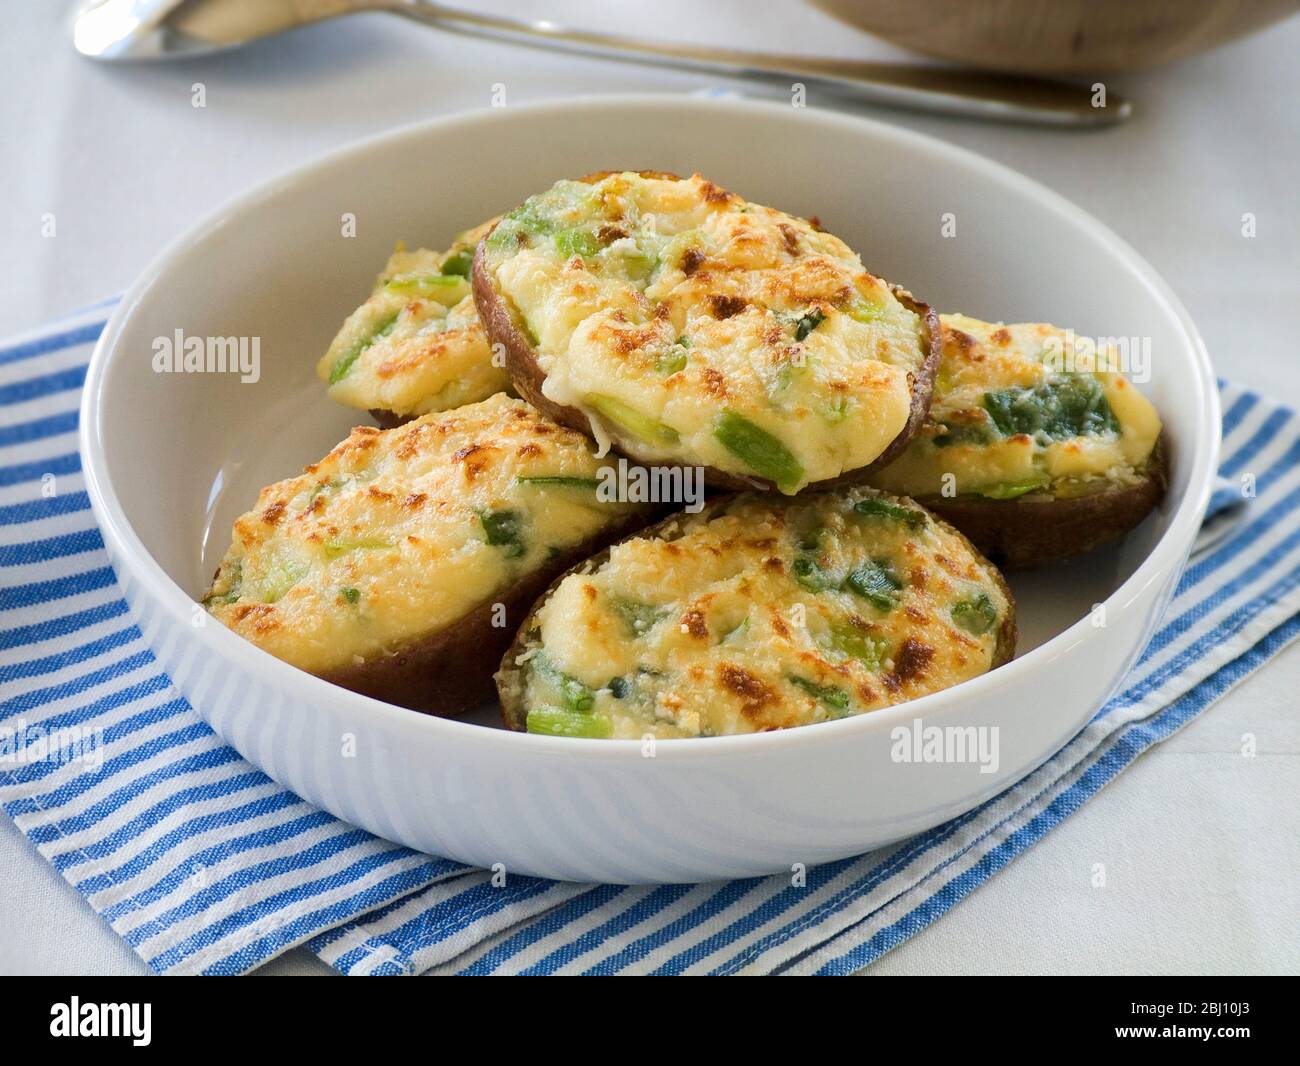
(1201, 844)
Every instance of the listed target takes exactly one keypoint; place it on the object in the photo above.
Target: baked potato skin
(510, 677)
(1032, 531)
(384, 566)
(527, 376)
(451, 672)
(389, 419)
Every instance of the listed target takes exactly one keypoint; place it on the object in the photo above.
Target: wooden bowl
(1060, 36)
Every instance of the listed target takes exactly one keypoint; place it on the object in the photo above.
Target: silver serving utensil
(130, 30)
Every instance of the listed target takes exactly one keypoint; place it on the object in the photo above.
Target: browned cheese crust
(527, 376)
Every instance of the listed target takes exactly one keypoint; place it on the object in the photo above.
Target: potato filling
(693, 326)
(758, 615)
(398, 534)
(1020, 410)
(416, 345)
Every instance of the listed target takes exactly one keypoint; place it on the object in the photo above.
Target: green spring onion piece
(835, 411)
(504, 530)
(571, 693)
(640, 265)
(350, 595)
(780, 382)
(876, 508)
(459, 263)
(862, 311)
(976, 616)
(561, 480)
(848, 639)
(1011, 489)
(808, 323)
(759, 450)
(557, 722)
(231, 594)
(571, 242)
(341, 545)
(809, 574)
(829, 696)
(963, 433)
(324, 487)
(1058, 409)
(732, 636)
(876, 583)
(281, 574)
(632, 421)
(638, 618)
(673, 360)
(532, 215)
(420, 283)
(345, 361)
(810, 539)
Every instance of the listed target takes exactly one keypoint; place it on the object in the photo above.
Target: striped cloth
(204, 865)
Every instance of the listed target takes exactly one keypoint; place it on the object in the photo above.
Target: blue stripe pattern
(204, 865)
(197, 859)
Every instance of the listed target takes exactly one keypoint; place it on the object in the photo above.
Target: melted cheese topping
(416, 345)
(656, 305)
(396, 534)
(962, 449)
(758, 615)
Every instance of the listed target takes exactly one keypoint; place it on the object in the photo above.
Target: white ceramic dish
(170, 459)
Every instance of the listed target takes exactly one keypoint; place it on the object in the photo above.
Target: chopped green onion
(848, 639)
(632, 421)
(975, 616)
(349, 594)
(232, 592)
(862, 311)
(808, 323)
(341, 545)
(557, 722)
(872, 507)
(1011, 489)
(673, 360)
(561, 480)
(809, 574)
(638, 618)
(835, 411)
(829, 696)
(1058, 409)
(572, 694)
(282, 572)
(759, 450)
(736, 634)
(571, 242)
(504, 530)
(459, 263)
(876, 583)
(964, 433)
(345, 361)
(421, 283)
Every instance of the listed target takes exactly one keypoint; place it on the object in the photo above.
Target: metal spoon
(129, 30)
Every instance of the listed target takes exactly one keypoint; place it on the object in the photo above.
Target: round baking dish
(171, 458)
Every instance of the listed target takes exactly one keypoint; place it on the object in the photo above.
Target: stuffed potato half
(1036, 446)
(416, 345)
(688, 326)
(400, 565)
(759, 613)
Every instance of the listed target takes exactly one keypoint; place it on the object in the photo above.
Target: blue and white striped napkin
(204, 865)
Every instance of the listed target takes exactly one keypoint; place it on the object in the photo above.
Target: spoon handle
(918, 88)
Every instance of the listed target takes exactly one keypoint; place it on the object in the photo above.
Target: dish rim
(126, 549)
